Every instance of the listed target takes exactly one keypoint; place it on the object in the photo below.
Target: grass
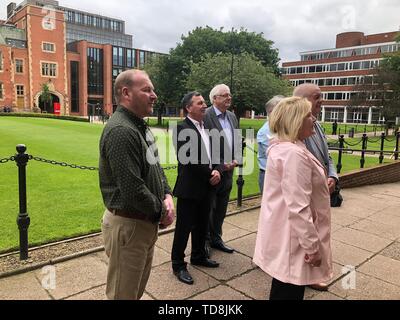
(66, 202)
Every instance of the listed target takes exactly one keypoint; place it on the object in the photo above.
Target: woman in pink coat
(294, 230)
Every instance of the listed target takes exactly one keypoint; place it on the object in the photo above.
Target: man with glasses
(222, 124)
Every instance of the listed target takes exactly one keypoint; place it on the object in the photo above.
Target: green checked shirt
(131, 177)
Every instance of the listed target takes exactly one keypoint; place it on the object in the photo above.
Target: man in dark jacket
(193, 188)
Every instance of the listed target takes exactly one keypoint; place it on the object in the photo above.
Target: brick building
(337, 71)
(77, 54)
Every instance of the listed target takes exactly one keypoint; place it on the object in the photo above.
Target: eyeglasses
(226, 95)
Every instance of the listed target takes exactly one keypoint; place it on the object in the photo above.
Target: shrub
(43, 115)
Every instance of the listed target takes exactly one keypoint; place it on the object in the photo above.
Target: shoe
(220, 245)
(208, 263)
(184, 276)
(319, 286)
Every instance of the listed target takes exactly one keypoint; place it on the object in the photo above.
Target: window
(1, 90)
(328, 82)
(20, 90)
(19, 66)
(48, 47)
(341, 66)
(1, 61)
(49, 69)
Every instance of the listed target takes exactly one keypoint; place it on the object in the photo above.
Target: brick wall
(385, 173)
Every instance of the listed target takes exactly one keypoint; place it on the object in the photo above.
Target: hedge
(42, 115)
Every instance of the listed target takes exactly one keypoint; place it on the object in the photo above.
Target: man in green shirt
(134, 188)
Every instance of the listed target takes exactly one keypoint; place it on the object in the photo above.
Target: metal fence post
(396, 155)
(341, 146)
(382, 146)
(23, 219)
(364, 147)
(240, 181)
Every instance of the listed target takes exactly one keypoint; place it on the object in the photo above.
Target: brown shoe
(319, 286)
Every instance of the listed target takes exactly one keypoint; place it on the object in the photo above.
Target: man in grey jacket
(317, 144)
(222, 125)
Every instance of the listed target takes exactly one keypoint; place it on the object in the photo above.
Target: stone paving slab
(77, 275)
(23, 287)
(385, 231)
(255, 284)
(245, 245)
(393, 251)
(366, 288)
(343, 218)
(247, 220)
(98, 293)
(221, 292)
(230, 265)
(163, 285)
(383, 268)
(345, 254)
(385, 217)
(360, 239)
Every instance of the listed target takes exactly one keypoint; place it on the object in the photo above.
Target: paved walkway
(365, 235)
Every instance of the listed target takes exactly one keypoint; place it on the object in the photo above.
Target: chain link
(62, 164)
(170, 168)
(251, 149)
(5, 160)
(352, 145)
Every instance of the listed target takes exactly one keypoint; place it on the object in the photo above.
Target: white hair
(217, 90)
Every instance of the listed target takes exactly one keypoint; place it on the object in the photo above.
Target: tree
(254, 84)
(170, 73)
(45, 95)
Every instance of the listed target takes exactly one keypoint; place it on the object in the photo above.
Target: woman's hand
(313, 259)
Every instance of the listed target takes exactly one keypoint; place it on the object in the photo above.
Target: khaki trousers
(129, 245)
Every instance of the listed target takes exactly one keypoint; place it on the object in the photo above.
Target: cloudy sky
(293, 25)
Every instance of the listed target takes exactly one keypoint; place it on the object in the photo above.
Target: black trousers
(219, 205)
(192, 216)
(286, 291)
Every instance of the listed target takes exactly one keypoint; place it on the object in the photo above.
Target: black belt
(131, 215)
(262, 170)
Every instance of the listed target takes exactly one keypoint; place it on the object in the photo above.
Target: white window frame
(23, 65)
(49, 63)
(48, 43)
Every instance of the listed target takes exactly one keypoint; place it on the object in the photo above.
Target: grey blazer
(226, 154)
(318, 146)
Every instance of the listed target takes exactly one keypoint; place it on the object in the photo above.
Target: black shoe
(184, 276)
(220, 245)
(205, 263)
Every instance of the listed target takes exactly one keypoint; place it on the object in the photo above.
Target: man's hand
(331, 184)
(169, 217)
(230, 166)
(313, 259)
(215, 177)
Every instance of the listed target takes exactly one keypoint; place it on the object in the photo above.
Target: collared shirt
(225, 124)
(263, 137)
(204, 136)
(130, 175)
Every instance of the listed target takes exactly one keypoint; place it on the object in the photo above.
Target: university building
(77, 54)
(339, 70)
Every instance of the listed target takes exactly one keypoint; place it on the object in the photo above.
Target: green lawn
(66, 202)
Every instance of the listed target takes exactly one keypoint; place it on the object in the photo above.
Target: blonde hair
(287, 117)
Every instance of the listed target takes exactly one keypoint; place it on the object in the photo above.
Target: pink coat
(295, 216)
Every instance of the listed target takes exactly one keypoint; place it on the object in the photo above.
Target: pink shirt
(295, 216)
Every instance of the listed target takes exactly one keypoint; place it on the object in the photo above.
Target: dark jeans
(286, 291)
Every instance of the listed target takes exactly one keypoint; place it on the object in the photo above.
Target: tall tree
(170, 73)
(253, 83)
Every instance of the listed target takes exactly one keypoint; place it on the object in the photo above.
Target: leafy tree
(45, 95)
(253, 83)
(170, 73)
